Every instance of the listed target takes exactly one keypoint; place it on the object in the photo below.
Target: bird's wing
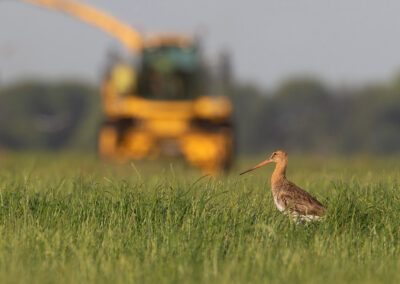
(301, 202)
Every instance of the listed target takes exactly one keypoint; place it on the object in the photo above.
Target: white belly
(279, 205)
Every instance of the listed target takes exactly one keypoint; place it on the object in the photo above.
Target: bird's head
(277, 156)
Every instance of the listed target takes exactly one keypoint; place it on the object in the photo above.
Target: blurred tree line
(49, 116)
(302, 115)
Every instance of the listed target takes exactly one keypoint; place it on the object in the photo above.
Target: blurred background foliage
(301, 115)
(39, 116)
(305, 115)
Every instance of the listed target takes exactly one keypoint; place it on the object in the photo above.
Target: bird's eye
(273, 154)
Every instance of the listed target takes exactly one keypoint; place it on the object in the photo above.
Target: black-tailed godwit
(288, 197)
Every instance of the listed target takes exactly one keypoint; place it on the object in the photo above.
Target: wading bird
(288, 197)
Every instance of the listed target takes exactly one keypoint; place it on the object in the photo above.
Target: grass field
(70, 219)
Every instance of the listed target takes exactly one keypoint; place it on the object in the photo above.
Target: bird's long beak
(259, 165)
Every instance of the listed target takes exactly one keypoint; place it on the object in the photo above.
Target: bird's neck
(279, 173)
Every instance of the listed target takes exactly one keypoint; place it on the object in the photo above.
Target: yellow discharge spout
(123, 32)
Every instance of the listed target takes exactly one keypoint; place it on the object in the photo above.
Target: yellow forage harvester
(163, 107)
(162, 104)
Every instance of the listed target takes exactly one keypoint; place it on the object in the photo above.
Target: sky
(343, 42)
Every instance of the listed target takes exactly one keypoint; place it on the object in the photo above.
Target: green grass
(70, 219)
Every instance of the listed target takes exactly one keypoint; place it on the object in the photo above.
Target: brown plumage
(288, 197)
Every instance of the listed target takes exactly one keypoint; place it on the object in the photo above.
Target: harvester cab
(164, 107)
